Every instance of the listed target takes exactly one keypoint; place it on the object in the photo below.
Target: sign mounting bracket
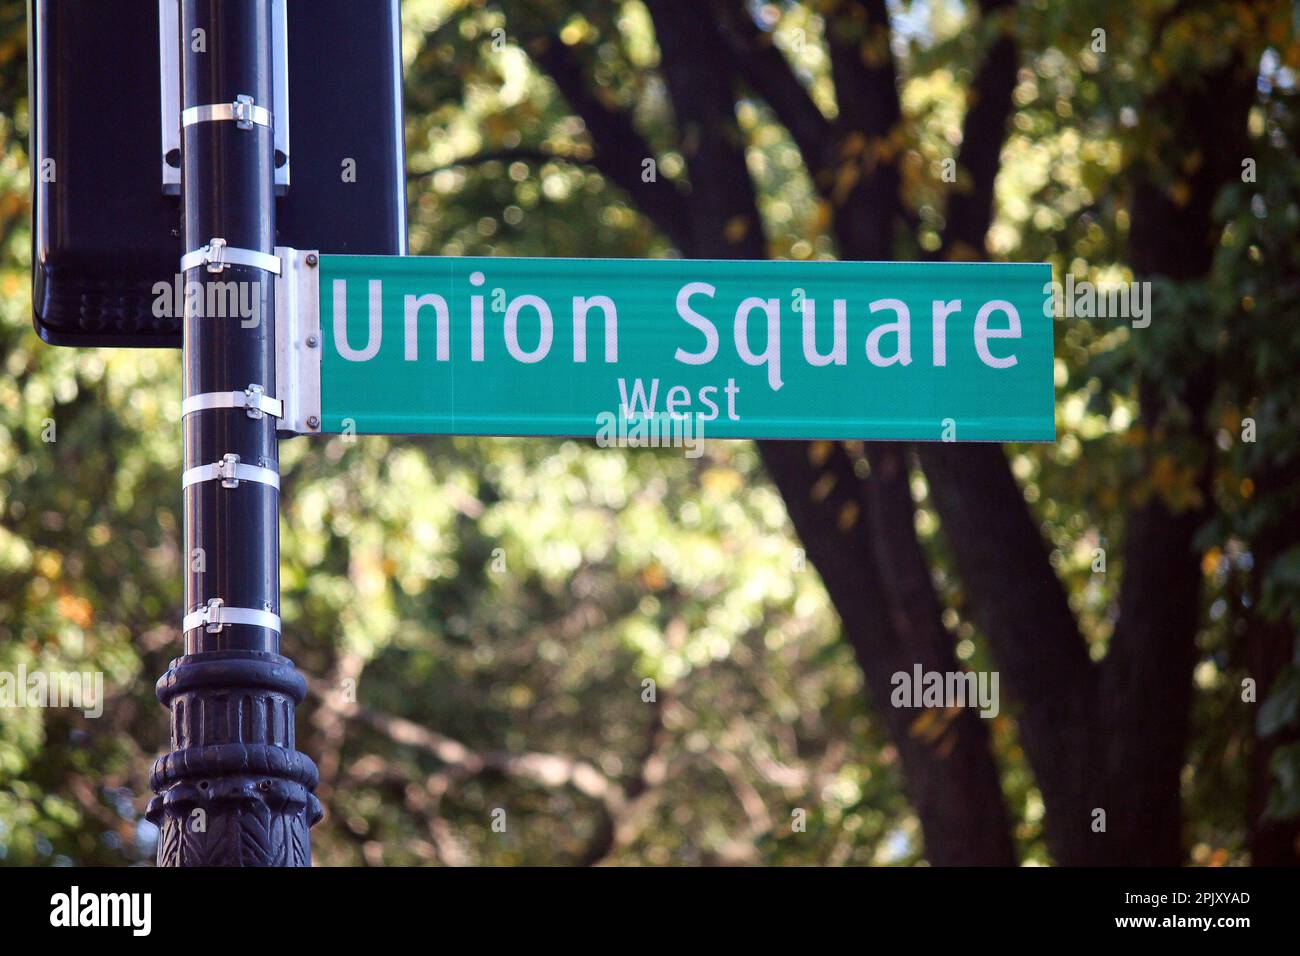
(169, 49)
(298, 342)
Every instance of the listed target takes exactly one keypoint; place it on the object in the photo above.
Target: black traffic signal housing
(105, 232)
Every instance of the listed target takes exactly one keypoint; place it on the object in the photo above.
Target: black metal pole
(233, 790)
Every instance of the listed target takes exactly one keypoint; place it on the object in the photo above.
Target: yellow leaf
(822, 487)
(1163, 473)
(654, 578)
(77, 610)
(845, 180)
(49, 564)
(722, 481)
(737, 228)
(963, 252)
(853, 145)
(822, 217)
(922, 724)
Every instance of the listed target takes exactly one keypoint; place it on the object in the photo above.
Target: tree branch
(524, 154)
(1017, 600)
(624, 823)
(626, 807)
(619, 150)
(862, 66)
(1147, 673)
(863, 185)
(1021, 607)
(829, 505)
(723, 210)
(765, 68)
(845, 524)
(970, 208)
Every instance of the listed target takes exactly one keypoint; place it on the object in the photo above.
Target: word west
(651, 431)
(946, 689)
(212, 300)
(1086, 300)
(888, 342)
(641, 401)
(79, 691)
(74, 908)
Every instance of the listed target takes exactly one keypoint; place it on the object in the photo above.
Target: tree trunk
(892, 620)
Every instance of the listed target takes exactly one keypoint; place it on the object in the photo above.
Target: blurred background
(646, 659)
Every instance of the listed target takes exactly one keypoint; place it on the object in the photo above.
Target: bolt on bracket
(298, 341)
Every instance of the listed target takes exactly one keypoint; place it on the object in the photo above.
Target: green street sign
(733, 349)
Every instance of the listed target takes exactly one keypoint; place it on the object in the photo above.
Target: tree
(1106, 734)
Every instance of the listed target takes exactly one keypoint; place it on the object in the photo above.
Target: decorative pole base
(233, 791)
